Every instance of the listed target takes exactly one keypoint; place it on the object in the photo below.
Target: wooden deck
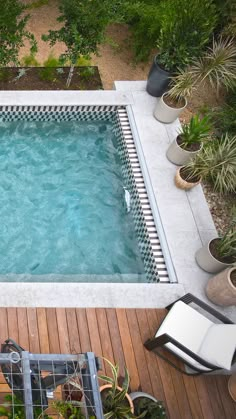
(118, 334)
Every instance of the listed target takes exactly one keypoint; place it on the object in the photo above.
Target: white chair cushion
(188, 327)
(219, 345)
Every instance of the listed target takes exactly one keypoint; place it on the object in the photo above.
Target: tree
(84, 26)
(13, 32)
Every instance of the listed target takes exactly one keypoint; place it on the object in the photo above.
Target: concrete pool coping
(185, 219)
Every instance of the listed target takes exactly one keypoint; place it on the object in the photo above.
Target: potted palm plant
(115, 400)
(146, 406)
(217, 67)
(221, 288)
(189, 140)
(220, 252)
(216, 162)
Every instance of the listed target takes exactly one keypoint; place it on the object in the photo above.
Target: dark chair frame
(157, 342)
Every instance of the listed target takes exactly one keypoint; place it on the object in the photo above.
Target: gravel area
(115, 62)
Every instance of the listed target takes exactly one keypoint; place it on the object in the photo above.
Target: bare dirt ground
(116, 62)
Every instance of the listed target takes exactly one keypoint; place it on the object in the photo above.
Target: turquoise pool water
(62, 203)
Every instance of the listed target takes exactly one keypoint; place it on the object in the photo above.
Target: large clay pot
(165, 113)
(220, 289)
(208, 262)
(179, 155)
(158, 79)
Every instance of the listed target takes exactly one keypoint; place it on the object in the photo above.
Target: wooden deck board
(118, 334)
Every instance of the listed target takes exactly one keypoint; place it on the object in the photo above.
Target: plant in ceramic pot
(115, 399)
(216, 163)
(189, 140)
(217, 67)
(182, 29)
(220, 252)
(146, 406)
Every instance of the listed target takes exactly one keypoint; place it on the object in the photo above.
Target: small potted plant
(189, 140)
(217, 67)
(216, 162)
(146, 406)
(220, 252)
(221, 288)
(115, 399)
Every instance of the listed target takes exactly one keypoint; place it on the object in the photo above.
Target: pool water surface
(62, 203)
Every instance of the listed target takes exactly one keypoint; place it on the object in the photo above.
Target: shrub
(49, 73)
(30, 61)
(179, 28)
(224, 117)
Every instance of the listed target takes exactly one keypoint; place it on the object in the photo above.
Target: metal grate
(44, 385)
(143, 196)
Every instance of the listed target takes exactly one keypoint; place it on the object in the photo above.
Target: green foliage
(224, 117)
(114, 401)
(86, 72)
(14, 408)
(83, 61)
(83, 30)
(13, 32)
(196, 131)
(146, 408)
(178, 28)
(226, 246)
(69, 410)
(49, 71)
(36, 4)
(217, 163)
(30, 61)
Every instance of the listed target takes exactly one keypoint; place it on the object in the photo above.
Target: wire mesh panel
(49, 385)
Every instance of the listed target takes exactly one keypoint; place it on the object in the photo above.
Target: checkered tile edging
(149, 243)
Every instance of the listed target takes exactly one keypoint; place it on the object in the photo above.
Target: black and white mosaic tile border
(154, 262)
(57, 113)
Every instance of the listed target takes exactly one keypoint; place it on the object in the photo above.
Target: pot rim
(184, 180)
(105, 386)
(172, 107)
(167, 72)
(219, 261)
(229, 277)
(187, 151)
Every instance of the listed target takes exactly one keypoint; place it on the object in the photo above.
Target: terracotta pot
(184, 184)
(220, 289)
(108, 386)
(179, 155)
(165, 113)
(208, 262)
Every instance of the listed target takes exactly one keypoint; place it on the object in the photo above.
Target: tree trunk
(70, 75)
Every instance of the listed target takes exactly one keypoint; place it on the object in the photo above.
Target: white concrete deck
(186, 222)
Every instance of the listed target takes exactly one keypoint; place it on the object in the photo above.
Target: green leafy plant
(86, 72)
(195, 132)
(216, 163)
(178, 28)
(69, 410)
(226, 246)
(21, 73)
(37, 4)
(13, 32)
(115, 405)
(48, 72)
(30, 61)
(217, 67)
(14, 408)
(146, 408)
(224, 117)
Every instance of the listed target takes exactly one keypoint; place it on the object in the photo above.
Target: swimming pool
(70, 209)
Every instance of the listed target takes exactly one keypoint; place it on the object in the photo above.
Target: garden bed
(49, 78)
